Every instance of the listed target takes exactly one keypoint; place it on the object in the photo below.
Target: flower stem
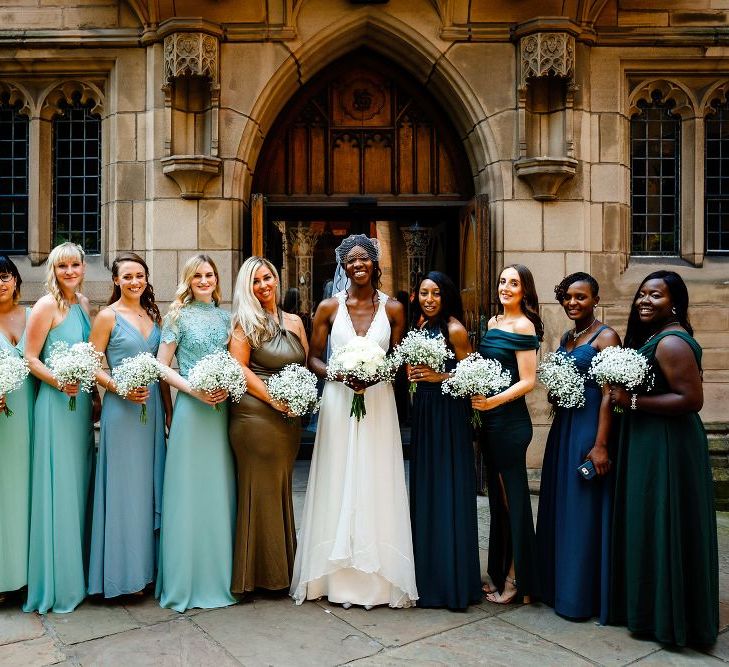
(72, 404)
(143, 414)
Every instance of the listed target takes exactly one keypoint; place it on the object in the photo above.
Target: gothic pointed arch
(680, 99)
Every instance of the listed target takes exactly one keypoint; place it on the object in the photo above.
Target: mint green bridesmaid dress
(62, 458)
(15, 453)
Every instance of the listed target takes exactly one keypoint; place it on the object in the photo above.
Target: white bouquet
(219, 371)
(76, 364)
(363, 360)
(140, 370)
(623, 367)
(420, 349)
(295, 386)
(559, 374)
(13, 371)
(476, 375)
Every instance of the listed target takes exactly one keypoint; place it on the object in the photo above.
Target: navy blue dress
(443, 499)
(573, 528)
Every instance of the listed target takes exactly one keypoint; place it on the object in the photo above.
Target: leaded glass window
(13, 179)
(655, 150)
(716, 170)
(77, 176)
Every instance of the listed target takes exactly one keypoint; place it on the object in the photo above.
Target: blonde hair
(257, 325)
(183, 294)
(64, 252)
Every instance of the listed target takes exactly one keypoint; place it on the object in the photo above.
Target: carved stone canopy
(191, 54)
(545, 53)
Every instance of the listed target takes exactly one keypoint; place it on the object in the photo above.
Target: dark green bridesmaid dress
(664, 552)
(506, 434)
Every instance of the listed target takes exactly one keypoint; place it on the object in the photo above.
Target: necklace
(577, 334)
(667, 324)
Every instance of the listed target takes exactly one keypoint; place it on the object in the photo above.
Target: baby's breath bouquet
(559, 374)
(420, 349)
(622, 367)
(140, 370)
(476, 375)
(360, 359)
(76, 364)
(295, 386)
(219, 371)
(13, 371)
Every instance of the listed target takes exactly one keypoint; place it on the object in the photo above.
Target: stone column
(416, 240)
(303, 240)
(284, 270)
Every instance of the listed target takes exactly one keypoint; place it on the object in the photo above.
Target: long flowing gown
(507, 432)
(665, 579)
(63, 446)
(355, 544)
(198, 496)
(15, 456)
(443, 499)
(574, 521)
(129, 473)
(265, 444)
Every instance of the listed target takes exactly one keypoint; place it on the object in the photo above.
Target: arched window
(716, 176)
(13, 178)
(655, 150)
(77, 175)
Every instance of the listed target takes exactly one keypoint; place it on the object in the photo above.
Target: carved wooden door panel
(475, 278)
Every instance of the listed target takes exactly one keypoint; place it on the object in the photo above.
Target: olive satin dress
(507, 432)
(265, 444)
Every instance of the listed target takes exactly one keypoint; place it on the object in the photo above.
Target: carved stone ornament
(191, 172)
(545, 175)
(545, 53)
(191, 54)
(417, 240)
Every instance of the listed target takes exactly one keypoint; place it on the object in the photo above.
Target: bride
(355, 545)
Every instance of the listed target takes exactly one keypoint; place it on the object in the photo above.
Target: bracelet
(634, 401)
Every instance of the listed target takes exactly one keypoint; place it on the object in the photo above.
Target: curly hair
(560, 291)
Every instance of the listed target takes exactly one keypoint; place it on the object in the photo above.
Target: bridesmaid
(442, 473)
(130, 463)
(264, 441)
(63, 443)
(198, 500)
(513, 339)
(664, 555)
(15, 440)
(573, 529)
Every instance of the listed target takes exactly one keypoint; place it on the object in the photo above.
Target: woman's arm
(396, 314)
(174, 379)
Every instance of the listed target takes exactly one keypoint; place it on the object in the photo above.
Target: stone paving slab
(16, 626)
(40, 651)
(677, 658)
(90, 620)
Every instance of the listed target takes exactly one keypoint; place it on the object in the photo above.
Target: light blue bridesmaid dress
(15, 453)
(199, 496)
(63, 446)
(129, 473)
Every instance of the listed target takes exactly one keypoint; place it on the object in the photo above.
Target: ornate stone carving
(545, 53)
(284, 273)
(362, 99)
(663, 91)
(12, 94)
(191, 54)
(417, 240)
(66, 92)
(191, 172)
(303, 240)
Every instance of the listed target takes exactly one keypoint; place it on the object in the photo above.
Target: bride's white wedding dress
(355, 544)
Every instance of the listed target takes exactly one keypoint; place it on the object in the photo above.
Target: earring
(673, 310)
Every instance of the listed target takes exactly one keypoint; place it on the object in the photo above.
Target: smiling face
(8, 285)
(203, 282)
(69, 274)
(358, 266)
(511, 291)
(430, 298)
(654, 303)
(264, 286)
(579, 302)
(131, 279)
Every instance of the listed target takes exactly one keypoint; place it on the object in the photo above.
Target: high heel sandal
(489, 586)
(501, 598)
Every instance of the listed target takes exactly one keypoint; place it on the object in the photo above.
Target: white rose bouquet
(13, 371)
(76, 364)
(295, 386)
(219, 371)
(623, 367)
(559, 374)
(476, 375)
(420, 349)
(140, 370)
(363, 360)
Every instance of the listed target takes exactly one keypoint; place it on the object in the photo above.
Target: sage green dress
(15, 454)
(664, 555)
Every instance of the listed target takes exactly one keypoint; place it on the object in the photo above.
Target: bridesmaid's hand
(212, 399)
(2, 401)
(482, 403)
(95, 407)
(552, 399)
(599, 457)
(69, 389)
(168, 422)
(138, 395)
(619, 396)
(280, 406)
(422, 373)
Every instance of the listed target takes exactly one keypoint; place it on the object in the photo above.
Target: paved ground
(272, 631)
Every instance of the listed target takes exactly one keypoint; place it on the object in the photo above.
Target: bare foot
(507, 595)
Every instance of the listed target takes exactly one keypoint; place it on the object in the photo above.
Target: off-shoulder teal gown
(198, 498)
(507, 432)
(63, 446)
(15, 454)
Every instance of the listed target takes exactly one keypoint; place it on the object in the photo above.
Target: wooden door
(475, 274)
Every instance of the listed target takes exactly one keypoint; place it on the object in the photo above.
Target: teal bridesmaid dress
(15, 453)
(129, 473)
(63, 446)
(199, 496)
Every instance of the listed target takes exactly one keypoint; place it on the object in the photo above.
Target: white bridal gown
(355, 544)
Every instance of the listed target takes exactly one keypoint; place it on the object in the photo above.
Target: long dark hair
(529, 299)
(147, 298)
(450, 303)
(637, 332)
(8, 266)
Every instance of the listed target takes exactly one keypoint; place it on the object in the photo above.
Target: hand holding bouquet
(420, 349)
(295, 386)
(218, 371)
(76, 364)
(140, 370)
(558, 373)
(360, 361)
(622, 367)
(475, 375)
(13, 371)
